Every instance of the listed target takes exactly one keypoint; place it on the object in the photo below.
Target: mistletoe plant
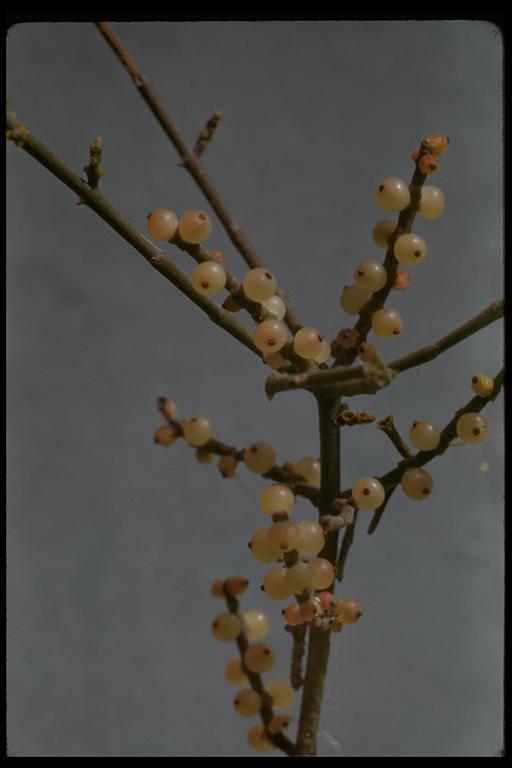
(304, 559)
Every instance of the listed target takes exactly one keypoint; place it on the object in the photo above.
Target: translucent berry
(209, 278)
(261, 549)
(382, 231)
(416, 483)
(259, 458)
(402, 280)
(299, 577)
(410, 249)
(309, 468)
(292, 615)
(198, 430)
(274, 584)
(326, 600)
(259, 284)
(308, 342)
(393, 194)
(276, 306)
(259, 657)
(235, 673)
(482, 385)
(348, 611)
(165, 436)
(217, 588)
(259, 740)
(353, 298)
(256, 624)
(282, 693)
(236, 585)
(424, 435)
(387, 323)
(471, 427)
(370, 275)
(324, 353)
(226, 627)
(247, 702)
(311, 538)
(283, 536)
(432, 202)
(162, 224)
(194, 227)
(277, 498)
(227, 465)
(278, 724)
(270, 336)
(324, 573)
(369, 491)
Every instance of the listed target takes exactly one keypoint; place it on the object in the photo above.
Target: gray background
(113, 541)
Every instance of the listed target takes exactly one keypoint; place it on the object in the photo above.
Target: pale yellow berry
(482, 385)
(424, 435)
(292, 615)
(276, 306)
(259, 657)
(259, 458)
(348, 611)
(165, 436)
(416, 483)
(198, 430)
(283, 536)
(308, 342)
(369, 491)
(260, 548)
(226, 627)
(370, 275)
(324, 353)
(277, 498)
(471, 427)
(247, 702)
(387, 323)
(209, 278)
(410, 249)
(162, 224)
(299, 577)
(194, 227)
(310, 469)
(311, 538)
(278, 724)
(256, 624)
(235, 673)
(324, 573)
(274, 584)
(259, 284)
(432, 202)
(270, 336)
(282, 693)
(259, 740)
(393, 194)
(353, 298)
(382, 231)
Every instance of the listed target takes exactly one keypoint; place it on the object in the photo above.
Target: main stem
(319, 639)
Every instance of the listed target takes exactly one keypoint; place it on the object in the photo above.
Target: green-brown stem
(319, 638)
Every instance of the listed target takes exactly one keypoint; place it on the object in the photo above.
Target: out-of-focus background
(113, 541)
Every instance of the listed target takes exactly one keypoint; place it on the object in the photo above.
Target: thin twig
(101, 206)
(348, 539)
(192, 163)
(387, 426)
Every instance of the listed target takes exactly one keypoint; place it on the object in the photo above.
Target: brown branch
(387, 426)
(348, 539)
(189, 160)
(207, 133)
(298, 634)
(266, 713)
(97, 202)
(392, 478)
(277, 473)
(491, 313)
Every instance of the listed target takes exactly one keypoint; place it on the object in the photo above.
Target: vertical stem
(319, 639)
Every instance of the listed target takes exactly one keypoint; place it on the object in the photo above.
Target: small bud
(347, 338)
(275, 360)
(236, 585)
(231, 305)
(278, 723)
(348, 611)
(368, 352)
(402, 280)
(216, 256)
(326, 599)
(227, 465)
(217, 588)
(428, 164)
(332, 522)
(168, 409)
(203, 456)
(336, 626)
(436, 143)
(165, 436)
